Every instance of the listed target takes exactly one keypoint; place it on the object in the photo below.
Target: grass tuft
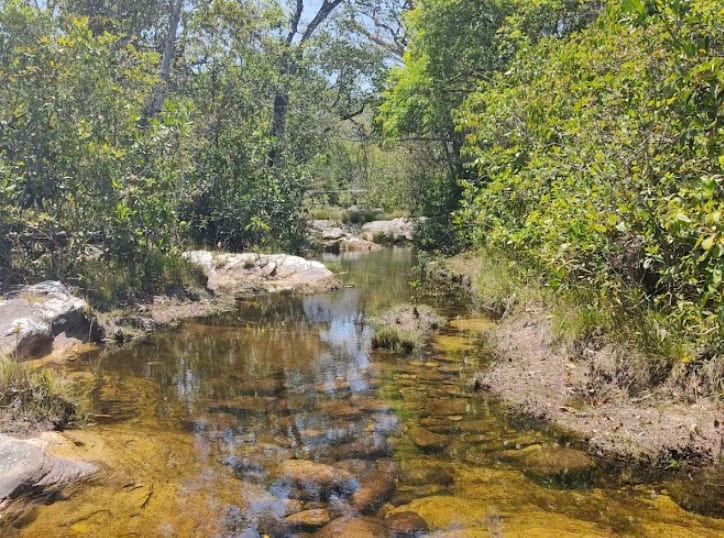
(37, 397)
(108, 284)
(396, 340)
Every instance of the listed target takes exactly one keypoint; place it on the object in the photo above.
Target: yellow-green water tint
(194, 425)
(472, 325)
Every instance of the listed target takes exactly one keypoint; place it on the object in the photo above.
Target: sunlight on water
(277, 419)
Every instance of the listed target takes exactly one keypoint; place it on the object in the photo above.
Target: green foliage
(597, 159)
(454, 48)
(91, 181)
(109, 283)
(81, 176)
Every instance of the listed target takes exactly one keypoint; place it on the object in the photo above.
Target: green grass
(37, 396)
(326, 213)
(396, 341)
(108, 284)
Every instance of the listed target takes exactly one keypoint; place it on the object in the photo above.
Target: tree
(169, 50)
(292, 53)
(454, 48)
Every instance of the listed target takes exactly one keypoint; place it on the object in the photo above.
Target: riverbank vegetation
(589, 139)
(131, 132)
(34, 398)
(578, 143)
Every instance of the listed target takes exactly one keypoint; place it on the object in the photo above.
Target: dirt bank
(570, 386)
(548, 381)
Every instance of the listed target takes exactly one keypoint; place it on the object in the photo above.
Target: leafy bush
(598, 161)
(109, 283)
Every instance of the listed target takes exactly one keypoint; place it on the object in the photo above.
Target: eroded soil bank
(539, 376)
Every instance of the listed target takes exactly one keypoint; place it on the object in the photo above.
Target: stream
(278, 419)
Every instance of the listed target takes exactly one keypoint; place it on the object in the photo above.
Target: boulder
(250, 273)
(335, 237)
(36, 320)
(26, 466)
(401, 230)
(326, 229)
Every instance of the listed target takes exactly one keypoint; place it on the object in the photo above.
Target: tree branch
(294, 26)
(324, 11)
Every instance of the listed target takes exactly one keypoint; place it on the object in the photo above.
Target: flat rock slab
(33, 318)
(247, 273)
(26, 466)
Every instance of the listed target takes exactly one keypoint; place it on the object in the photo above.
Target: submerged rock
(375, 489)
(354, 527)
(406, 524)
(268, 386)
(314, 481)
(308, 519)
(427, 440)
(421, 472)
(34, 320)
(551, 462)
(447, 407)
(374, 446)
(26, 466)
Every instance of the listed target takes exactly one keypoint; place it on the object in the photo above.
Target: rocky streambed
(277, 419)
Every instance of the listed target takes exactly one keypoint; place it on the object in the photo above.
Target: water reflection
(276, 419)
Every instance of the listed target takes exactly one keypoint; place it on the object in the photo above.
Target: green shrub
(599, 162)
(118, 282)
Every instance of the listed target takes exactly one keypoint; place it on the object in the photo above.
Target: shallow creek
(277, 418)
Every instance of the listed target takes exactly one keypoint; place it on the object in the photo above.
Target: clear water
(196, 429)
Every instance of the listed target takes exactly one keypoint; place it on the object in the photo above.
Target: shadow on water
(277, 419)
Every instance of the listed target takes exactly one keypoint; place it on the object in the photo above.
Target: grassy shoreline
(591, 371)
(36, 398)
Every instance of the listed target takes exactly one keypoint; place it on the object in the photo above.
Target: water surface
(205, 430)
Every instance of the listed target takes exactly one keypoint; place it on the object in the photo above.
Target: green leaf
(635, 7)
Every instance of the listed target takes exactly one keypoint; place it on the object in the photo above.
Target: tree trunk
(288, 68)
(159, 91)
